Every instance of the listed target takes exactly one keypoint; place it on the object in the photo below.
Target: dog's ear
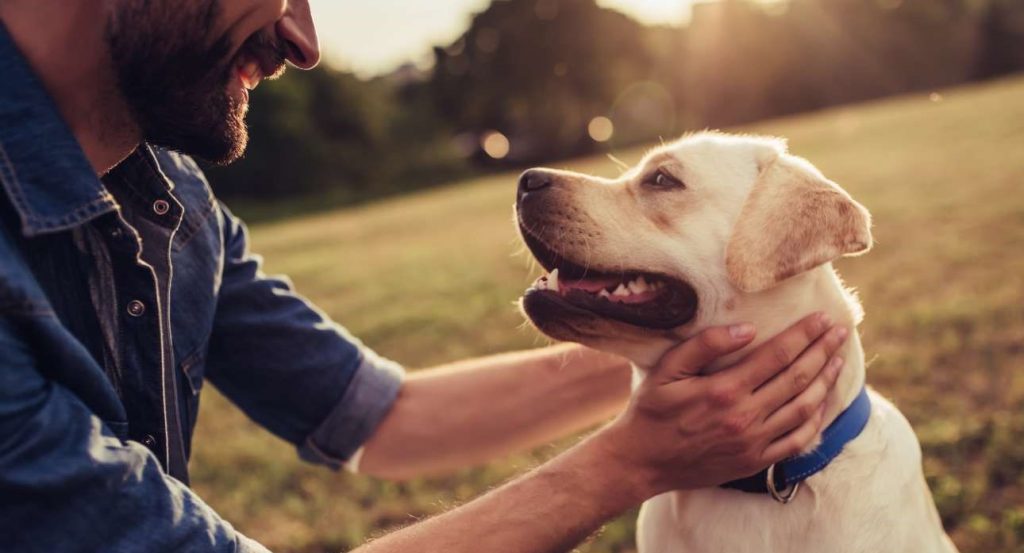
(793, 220)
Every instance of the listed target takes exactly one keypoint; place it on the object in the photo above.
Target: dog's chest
(871, 498)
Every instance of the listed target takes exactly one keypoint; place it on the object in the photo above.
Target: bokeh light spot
(601, 129)
(495, 145)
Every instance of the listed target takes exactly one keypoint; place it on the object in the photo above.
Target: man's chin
(227, 151)
(221, 145)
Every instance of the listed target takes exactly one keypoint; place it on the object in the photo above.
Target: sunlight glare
(653, 12)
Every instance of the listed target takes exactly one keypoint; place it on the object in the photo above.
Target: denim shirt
(118, 298)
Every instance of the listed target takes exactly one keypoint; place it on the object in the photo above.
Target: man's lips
(249, 73)
(260, 57)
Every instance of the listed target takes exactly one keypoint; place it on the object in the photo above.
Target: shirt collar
(43, 170)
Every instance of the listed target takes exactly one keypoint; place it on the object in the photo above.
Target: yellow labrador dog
(717, 229)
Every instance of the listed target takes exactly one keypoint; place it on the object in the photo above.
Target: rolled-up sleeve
(68, 484)
(288, 366)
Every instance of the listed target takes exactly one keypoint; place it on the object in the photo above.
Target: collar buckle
(783, 496)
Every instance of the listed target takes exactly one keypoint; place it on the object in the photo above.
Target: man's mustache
(266, 49)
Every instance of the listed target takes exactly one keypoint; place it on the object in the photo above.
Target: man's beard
(174, 75)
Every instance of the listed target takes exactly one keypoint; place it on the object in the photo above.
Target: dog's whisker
(623, 166)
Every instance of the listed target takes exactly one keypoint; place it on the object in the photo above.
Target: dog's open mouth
(635, 297)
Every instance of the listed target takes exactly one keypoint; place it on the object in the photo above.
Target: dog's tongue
(592, 285)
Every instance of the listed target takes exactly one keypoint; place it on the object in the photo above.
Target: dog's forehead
(711, 150)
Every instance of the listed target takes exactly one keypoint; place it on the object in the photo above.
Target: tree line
(547, 79)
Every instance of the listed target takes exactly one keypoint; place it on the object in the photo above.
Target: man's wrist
(620, 481)
(592, 359)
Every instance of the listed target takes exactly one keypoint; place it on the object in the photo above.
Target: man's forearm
(551, 509)
(678, 432)
(474, 411)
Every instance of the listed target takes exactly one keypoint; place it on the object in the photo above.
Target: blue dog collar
(782, 480)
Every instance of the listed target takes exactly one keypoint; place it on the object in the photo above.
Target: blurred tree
(327, 131)
(539, 71)
(1002, 39)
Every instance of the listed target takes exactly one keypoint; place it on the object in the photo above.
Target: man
(124, 283)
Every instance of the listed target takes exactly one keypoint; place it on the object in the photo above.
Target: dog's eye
(661, 179)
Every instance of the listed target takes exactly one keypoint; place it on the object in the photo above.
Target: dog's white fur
(754, 232)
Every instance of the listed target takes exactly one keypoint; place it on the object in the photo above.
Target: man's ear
(793, 220)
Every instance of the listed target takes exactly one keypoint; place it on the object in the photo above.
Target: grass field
(431, 277)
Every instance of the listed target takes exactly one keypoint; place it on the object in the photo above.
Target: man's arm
(474, 411)
(679, 432)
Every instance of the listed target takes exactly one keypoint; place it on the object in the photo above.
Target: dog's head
(641, 262)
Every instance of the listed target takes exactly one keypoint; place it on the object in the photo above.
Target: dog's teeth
(638, 286)
(621, 291)
(604, 294)
(553, 281)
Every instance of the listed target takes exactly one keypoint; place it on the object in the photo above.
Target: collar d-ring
(782, 496)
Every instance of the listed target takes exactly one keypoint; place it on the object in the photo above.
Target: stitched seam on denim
(195, 224)
(152, 164)
(10, 180)
(186, 367)
(324, 456)
(32, 222)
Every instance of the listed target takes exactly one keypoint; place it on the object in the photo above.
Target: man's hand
(684, 431)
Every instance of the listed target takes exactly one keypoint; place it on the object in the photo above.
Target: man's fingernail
(842, 332)
(741, 331)
(824, 321)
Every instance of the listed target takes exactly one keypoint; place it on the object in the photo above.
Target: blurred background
(382, 183)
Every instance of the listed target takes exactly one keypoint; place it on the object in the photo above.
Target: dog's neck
(774, 310)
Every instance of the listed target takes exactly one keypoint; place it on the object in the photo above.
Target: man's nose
(296, 29)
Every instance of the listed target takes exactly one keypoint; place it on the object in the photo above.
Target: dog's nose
(533, 180)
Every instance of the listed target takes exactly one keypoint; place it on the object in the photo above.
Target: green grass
(431, 277)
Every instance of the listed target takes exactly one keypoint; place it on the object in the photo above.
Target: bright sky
(375, 36)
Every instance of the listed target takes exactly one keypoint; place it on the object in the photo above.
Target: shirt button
(149, 441)
(161, 207)
(136, 308)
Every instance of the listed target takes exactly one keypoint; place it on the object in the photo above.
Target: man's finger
(795, 379)
(803, 407)
(688, 358)
(796, 441)
(771, 357)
